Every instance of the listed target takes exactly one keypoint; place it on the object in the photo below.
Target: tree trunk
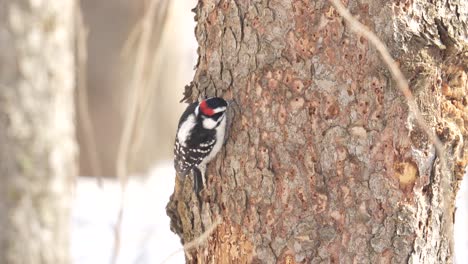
(325, 163)
(37, 132)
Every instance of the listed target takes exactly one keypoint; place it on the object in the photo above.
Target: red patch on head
(206, 110)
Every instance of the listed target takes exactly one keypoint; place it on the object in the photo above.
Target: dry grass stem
(82, 96)
(198, 241)
(153, 63)
(132, 39)
(139, 91)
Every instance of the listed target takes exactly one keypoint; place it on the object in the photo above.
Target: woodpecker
(200, 136)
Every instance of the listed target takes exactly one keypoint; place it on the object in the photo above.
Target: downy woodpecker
(200, 136)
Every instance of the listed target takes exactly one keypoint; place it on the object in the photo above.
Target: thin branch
(82, 97)
(154, 67)
(132, 39)
(138, 92)
(118, 226)
(400, 79)
(402, 84)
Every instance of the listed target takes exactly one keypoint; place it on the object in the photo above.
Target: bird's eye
(217, 115)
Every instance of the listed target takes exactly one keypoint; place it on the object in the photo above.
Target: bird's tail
(197, 180)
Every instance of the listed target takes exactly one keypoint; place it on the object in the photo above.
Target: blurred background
(143, 51)
(114, 29)
(129, 51)
(134, 59)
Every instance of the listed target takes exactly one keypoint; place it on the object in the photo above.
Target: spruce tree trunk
(37, 131)
(325, 162)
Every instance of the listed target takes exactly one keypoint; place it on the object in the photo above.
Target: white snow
(146, 237)
(461, 223)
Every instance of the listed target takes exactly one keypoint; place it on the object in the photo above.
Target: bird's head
(212, 111)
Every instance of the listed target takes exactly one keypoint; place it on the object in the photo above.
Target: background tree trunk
(325, 163)
(37, 132)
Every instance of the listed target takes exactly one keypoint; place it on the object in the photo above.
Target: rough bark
(325, 163)
(37, 138)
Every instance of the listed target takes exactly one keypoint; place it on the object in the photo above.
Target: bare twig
(137, 99)
(154, 65)
(400, 79)
(82, 97)
(198, 241)
(118, 226)
(403, 86)
(132, 39)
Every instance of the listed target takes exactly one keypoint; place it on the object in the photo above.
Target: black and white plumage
(200, 136)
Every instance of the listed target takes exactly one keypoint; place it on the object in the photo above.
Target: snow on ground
(461, 223)
(146, 237)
